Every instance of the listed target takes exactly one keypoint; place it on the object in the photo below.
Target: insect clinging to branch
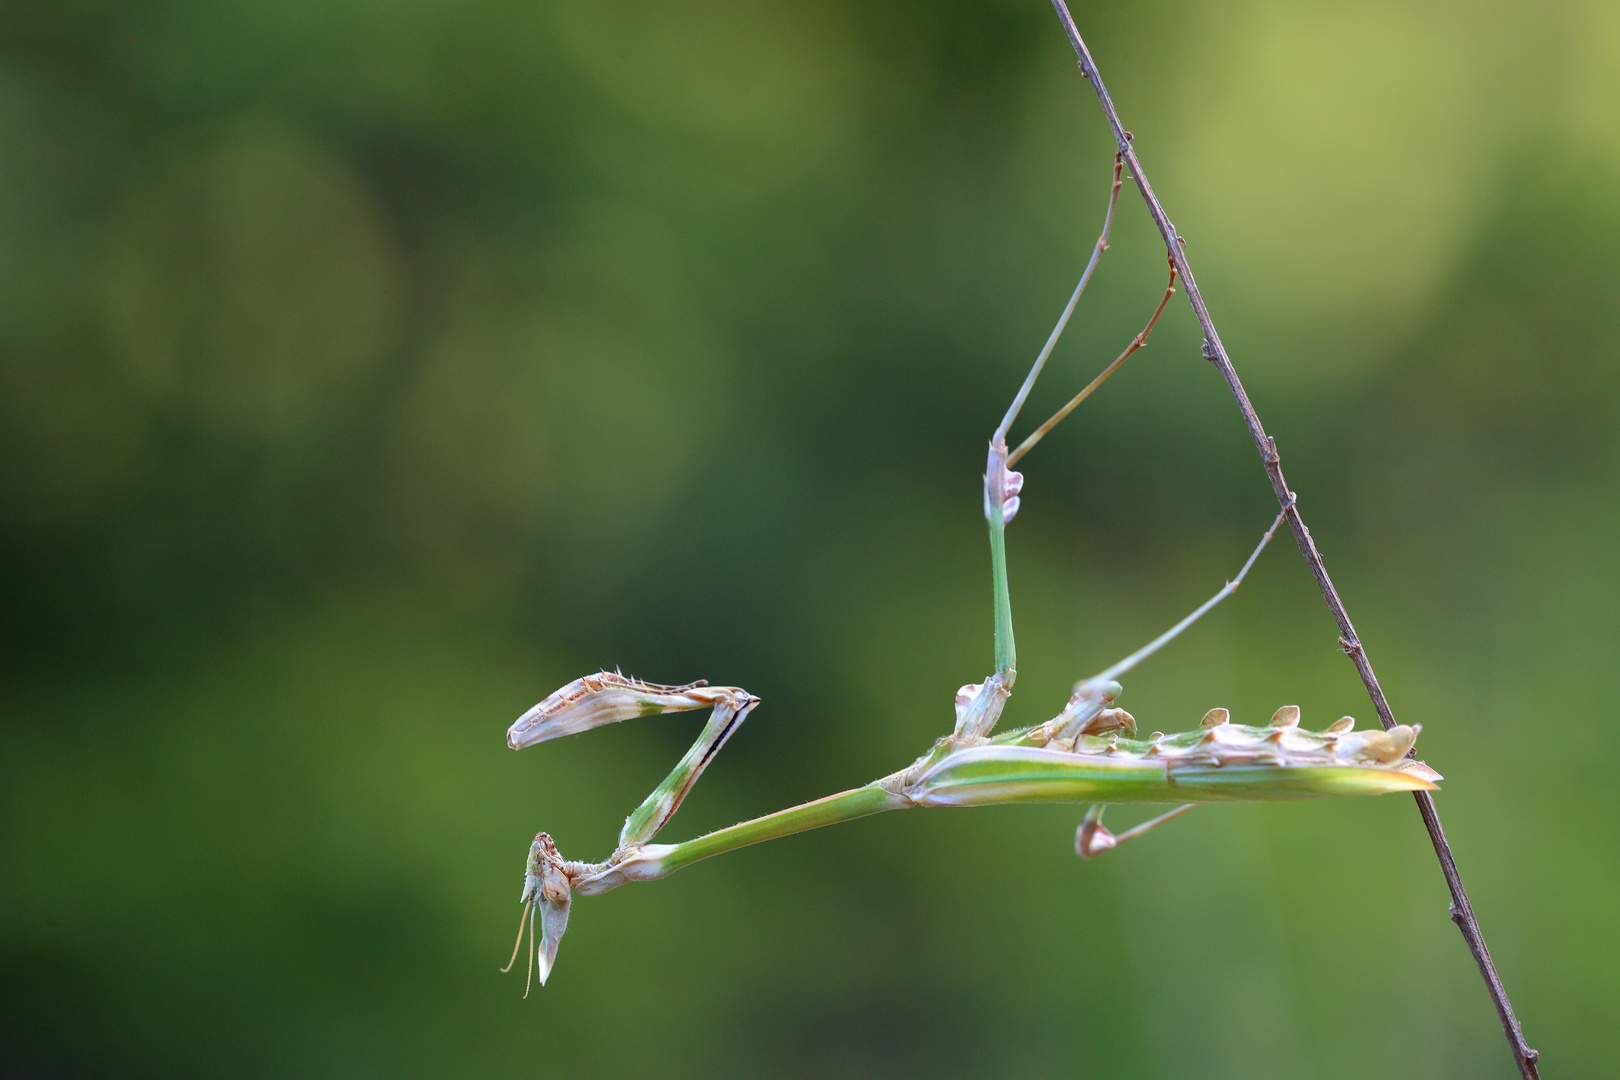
(1088, 753)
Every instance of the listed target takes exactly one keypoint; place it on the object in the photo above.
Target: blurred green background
(368, 370)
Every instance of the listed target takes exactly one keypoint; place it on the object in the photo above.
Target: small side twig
(1462, 913)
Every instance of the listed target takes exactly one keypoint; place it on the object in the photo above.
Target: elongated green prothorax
(1084, 754)
(1089, 752)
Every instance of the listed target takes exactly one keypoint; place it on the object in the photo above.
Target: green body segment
(997, 774)
(1256, 765)
(1271, 783)
(1006, 651)
(845, 806)
(1188, 768)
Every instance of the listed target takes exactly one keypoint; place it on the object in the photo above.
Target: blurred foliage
(368, 370)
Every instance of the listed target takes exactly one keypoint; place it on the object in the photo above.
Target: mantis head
(546, 893)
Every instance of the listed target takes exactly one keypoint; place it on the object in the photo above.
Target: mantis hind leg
(1091, 838)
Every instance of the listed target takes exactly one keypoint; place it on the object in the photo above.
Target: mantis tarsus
(1087, 753)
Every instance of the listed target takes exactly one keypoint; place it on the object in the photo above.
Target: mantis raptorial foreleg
(591, 702)
(1087, 753)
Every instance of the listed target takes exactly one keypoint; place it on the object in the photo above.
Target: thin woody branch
(1461, 911)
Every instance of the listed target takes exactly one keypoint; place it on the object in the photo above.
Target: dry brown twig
(1462, 913)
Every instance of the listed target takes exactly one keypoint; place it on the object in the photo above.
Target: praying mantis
(1087, 753)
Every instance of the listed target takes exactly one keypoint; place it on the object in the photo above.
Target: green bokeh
(369, 370)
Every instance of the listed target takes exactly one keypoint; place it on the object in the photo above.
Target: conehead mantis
(1088, 753)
